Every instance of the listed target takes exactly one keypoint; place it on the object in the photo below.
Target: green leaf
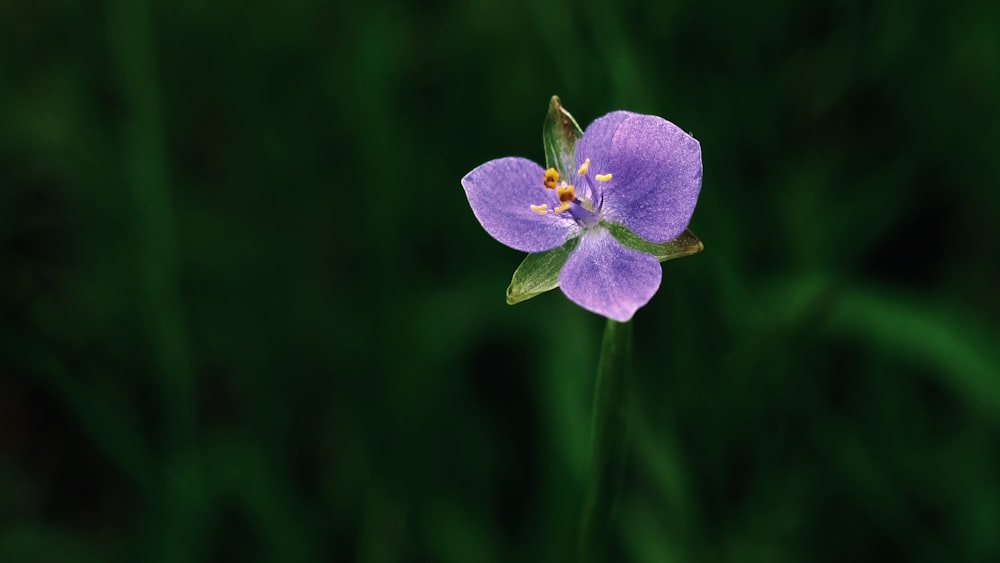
(538, 273)
(685, 244)
(559, 136)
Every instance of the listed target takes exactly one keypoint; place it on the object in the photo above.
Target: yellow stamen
(550, 178)
(540, 209)
(603, 177)
(583, 167)
(566, 193)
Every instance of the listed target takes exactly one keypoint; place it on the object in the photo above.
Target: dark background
(246, 313)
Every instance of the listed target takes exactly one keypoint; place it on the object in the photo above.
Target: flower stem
(608, 440)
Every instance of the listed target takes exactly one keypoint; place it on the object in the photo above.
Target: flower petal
(501, 193)
(656, 175)
(595, 144)
(604, 277)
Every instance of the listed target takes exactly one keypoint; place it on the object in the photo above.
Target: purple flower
(638, 171)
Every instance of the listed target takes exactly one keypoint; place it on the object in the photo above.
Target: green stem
(609, 439)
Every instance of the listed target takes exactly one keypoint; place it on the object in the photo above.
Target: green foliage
(685, 244)
(538, 273)
(559, 135)
(247, 315)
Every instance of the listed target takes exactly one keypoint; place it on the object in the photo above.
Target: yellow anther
(550, 178)
(540, 209)
(561, 208)
(583, 167)
(603, 177)
(566, 193)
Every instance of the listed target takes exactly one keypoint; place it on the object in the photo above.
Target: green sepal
(538, 273)
(559, 135)
(685, 244)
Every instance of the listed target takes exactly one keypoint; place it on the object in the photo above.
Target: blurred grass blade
(559, 136)
(685, 244)
(538, 273)
(962, 353)
(609, 440)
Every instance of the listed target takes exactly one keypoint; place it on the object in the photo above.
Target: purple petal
(595, 144)
(604, 277)
(501, 193)
(656, 174)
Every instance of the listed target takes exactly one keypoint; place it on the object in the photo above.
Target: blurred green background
(247, 315)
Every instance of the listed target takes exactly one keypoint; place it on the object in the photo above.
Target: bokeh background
(247, 315)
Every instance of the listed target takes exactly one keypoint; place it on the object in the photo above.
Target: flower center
(568, 204)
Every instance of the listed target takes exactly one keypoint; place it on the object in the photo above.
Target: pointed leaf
(685, 244)
(559, 136)
(538, 273)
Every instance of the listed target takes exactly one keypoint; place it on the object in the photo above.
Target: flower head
(637, 171)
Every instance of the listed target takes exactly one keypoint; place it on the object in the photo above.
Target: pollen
(603, 177)
(566, 193)
(550, 178)
(584, 167)
(540, 209)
